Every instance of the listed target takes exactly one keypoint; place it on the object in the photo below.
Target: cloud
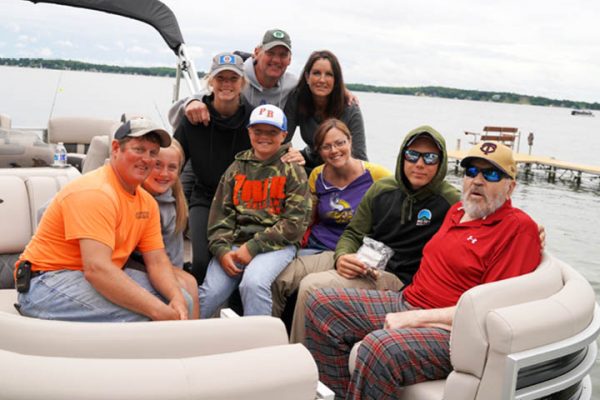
(138, 50)
(64, 43)
(45, 52)
(13, 27)
(531, 47)
(195, 52)
(27, 39)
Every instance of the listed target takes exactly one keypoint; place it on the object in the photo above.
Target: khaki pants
(289, 279)
(331, 279)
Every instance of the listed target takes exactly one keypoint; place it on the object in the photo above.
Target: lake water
(570, 215)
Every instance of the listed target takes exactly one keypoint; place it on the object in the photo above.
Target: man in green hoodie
(403, 212)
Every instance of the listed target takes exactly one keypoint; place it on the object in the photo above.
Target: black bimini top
(151, 12)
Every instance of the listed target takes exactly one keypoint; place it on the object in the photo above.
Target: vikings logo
(341, 210)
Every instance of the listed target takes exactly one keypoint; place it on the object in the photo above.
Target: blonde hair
(181, 207)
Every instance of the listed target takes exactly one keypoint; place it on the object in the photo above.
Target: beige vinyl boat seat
(239, 358)
(77, 134)
(522, 338)
(23, 149)
(5, 121)
(23, 191)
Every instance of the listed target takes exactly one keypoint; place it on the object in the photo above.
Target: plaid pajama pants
(387, 359)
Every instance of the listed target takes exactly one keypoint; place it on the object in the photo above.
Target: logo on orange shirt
(142, 215)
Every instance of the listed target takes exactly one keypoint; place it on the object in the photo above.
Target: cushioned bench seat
(507, 334)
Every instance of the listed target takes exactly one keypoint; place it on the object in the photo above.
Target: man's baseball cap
(227, 62)
(499, 155)
(140, 126)
(270, 115)
(276, 37)
(423, 135)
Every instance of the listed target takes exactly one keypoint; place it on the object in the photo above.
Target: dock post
(578, 179)
(527, 170)
(552, 175)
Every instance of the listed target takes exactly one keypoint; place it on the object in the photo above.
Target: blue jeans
(254, 283)
(67, 296)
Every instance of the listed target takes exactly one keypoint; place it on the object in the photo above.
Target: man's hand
(404, 319)
(349, 266)
(164, 313)
(228, 264)
(179, 305)
(542, 233)
(441, 318)
(196, 112)
(352, 99)
(242, 255)
(293, 156)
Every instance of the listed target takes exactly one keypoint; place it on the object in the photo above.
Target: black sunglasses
(412, 156)
(489, 174)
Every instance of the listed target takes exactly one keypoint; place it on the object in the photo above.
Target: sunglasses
(413, 156)
(489, 174)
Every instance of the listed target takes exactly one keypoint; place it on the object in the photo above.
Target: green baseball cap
(276, 37)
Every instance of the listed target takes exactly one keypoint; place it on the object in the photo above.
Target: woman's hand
(293, 156)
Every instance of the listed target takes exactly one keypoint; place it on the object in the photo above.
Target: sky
(545, 48)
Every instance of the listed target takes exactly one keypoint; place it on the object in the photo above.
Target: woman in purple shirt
(337, 187)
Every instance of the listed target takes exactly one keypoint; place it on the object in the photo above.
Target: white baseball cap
(270, 115)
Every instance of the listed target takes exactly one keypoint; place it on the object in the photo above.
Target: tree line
(428, 91)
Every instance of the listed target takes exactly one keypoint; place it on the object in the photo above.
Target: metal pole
(177, 84)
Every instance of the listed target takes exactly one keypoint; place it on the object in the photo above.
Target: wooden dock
(551, 165)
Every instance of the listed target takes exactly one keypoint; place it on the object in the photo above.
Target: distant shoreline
(427, 91)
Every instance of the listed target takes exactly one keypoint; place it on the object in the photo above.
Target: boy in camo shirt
(259, 214)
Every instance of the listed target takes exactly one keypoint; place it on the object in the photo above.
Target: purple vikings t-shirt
(336, 206)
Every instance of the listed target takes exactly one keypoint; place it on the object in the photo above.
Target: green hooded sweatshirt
(402, 218)
(265, 204)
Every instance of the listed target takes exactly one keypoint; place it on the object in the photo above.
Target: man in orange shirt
(72, 269)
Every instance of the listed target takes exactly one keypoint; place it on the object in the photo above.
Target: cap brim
(424, 135)
(275, 43)
(465, 161)
(165, 138)
(222, 68)
(268, 122)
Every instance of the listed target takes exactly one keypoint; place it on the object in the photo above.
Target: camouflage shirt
(265, 204)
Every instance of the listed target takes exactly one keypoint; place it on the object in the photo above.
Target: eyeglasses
(337, 145)
(489, 174)
(413, 156)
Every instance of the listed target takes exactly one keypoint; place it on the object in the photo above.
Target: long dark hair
(337, 98)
